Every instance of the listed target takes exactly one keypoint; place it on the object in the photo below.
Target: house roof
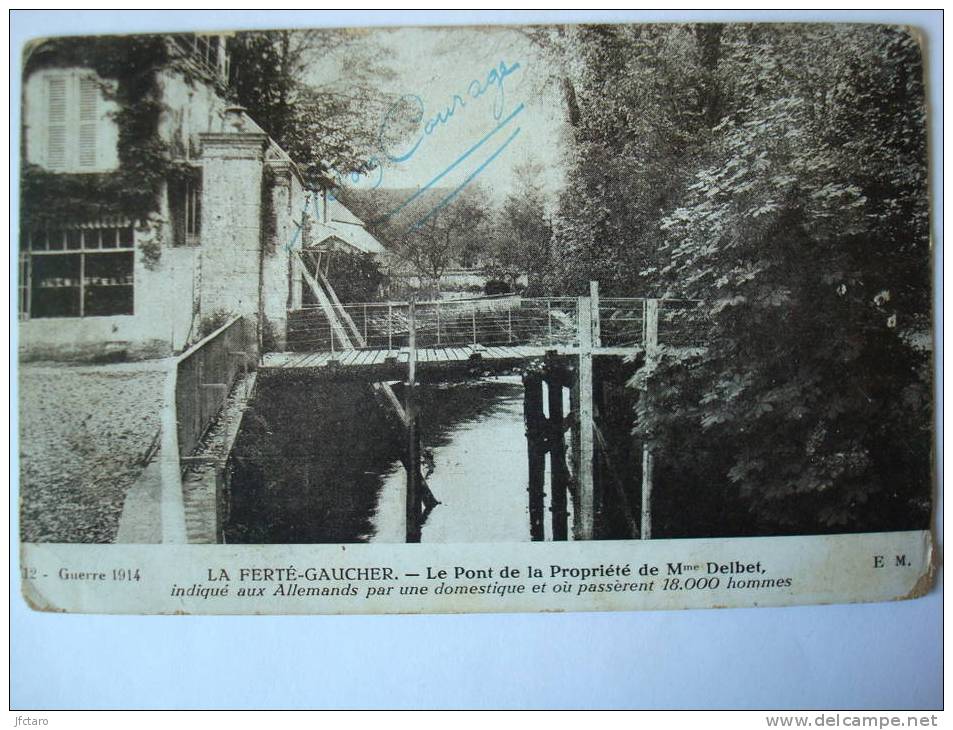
(394, 211)
(359, 237)
(346, 227)
(337, 212)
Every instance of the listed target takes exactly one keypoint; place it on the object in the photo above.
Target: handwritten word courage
(425, 126)
(408, 118)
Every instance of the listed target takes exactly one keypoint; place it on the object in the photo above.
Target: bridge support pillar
(558, 473)
(585, 514)
(650, 341)
(232, 165)
(413, 438)
(536, 441)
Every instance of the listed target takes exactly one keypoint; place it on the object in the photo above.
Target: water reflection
(321, 464)
(479, 472)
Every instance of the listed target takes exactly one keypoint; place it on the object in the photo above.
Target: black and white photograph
(476, 285)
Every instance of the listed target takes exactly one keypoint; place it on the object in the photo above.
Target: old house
(151, 203)
(336, 226)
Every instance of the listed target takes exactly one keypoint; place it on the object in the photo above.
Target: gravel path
(83, 432)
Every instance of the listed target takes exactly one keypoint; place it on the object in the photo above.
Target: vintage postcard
(450, 319)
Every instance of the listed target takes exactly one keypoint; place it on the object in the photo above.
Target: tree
(776, 174)
(806, 237)
(639, 102)
(519, 243)
(441, 238)
(357, 276)
(321, 121)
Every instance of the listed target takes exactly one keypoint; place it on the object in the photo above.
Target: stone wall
(231, 222)
(281, 281)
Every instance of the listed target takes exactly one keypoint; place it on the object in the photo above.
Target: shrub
(496, 286)
(356, 277)
(212, 321)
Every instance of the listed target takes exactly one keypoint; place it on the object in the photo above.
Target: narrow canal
(319, 462)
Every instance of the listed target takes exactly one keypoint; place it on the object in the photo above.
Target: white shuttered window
(73, 118)
(88, 121)
(56, 122)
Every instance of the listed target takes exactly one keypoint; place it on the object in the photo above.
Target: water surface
(320, 462)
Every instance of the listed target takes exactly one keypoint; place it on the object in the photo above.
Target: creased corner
(927, 579)
(35, 600)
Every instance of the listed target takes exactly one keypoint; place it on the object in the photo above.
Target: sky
(484, 105)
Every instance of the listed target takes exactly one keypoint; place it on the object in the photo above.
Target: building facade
(150, 203)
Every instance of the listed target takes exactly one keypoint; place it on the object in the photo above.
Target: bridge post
(535, 421)
(648, 458)
(585, 518)
(549, 319)
(390, 327)
(412, 343)
(651, 328)
(413, 437)
(596, 327)
(558, 474)
(645, 533)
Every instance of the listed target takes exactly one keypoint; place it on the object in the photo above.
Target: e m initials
(900, 561)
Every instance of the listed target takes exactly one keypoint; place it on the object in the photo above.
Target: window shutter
(88, 121)
(56, 123)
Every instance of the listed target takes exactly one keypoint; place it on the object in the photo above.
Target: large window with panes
(209, 50)
(77, 272)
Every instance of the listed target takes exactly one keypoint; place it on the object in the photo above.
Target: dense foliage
(357, 276)
(778, 175)
(325, 121)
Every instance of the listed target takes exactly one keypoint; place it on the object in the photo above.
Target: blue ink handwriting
(452, 166)
(477, 88)
(426, 126)
(470, 178)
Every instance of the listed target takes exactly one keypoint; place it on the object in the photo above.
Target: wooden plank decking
(362, 358)
(359, 358)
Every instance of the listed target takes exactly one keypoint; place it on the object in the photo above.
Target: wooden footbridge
(384, 342)
(557, 344)
(485, 331)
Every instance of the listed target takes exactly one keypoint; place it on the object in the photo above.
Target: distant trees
(778, 174)
(519, 243)
(507, 239)
(431, 232)
(445, 236)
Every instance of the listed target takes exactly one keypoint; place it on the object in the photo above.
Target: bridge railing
(499, 321)
(205, 375)
(682, 323)
(624, 322)
(445, 323)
